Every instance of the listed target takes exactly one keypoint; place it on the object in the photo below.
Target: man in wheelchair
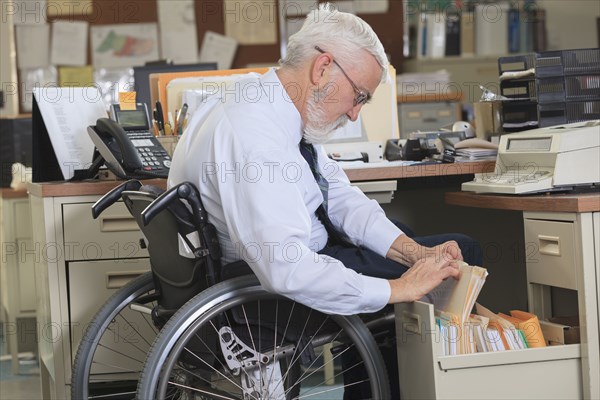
(279, 204)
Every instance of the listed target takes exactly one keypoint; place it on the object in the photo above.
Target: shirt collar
(282, 103)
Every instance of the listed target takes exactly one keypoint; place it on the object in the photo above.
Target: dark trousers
(369, 263)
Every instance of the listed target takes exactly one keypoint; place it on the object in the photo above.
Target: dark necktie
(336, 237)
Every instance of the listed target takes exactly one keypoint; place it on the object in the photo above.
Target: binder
(514, 31)
(467, 34)
(453, 23)
(436, 35)
(491, 29)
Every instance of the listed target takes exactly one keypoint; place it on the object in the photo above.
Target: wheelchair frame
(243, 363)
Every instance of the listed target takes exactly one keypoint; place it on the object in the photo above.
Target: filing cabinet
(562, 258)
(426, 116)
(16, 270)
(550, 251)
(541, 373)
(82, 262)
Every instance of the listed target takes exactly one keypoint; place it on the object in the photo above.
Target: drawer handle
(414, 114)
(118, 224)
(549, 245)
(411, 322)
(116, 280)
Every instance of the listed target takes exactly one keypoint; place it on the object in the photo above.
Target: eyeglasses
(361, 97)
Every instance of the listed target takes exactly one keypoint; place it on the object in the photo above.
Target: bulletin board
(210, 16)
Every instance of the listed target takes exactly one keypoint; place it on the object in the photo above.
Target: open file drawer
(544, 373)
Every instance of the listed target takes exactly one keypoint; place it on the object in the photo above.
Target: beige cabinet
(17, 275)
(83, 261)
(413, 117)
(466, 73)
(425, 373)
(564, 254)
(562, 251)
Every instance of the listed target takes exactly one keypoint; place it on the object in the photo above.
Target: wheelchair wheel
(115, 344)
(237, 341)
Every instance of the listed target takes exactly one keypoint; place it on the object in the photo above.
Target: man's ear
(320, 68)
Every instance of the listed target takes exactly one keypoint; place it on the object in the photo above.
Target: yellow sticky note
(76, 76)
(127, 100)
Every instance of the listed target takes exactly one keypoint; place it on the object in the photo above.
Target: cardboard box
(488, 118)
(561, 330)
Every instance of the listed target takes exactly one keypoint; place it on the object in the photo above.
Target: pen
(169, 121)
(160, 118)
(175, 127)
(181, 118)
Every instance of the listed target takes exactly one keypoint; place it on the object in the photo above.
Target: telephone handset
(129, 154)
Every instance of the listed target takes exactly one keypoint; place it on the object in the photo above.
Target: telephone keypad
(153, 158)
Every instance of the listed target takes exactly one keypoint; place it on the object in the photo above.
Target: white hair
(337, 32)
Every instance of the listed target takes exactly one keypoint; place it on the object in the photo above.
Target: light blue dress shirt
(241, 150)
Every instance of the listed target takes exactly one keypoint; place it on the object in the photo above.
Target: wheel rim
(312, 377)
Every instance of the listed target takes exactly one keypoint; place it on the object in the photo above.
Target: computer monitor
(141, 75)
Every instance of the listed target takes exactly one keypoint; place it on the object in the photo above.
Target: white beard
(316, 130)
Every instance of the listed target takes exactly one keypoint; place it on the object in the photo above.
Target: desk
(418, 171)
(78, 260)
(16, 269)
(73, 243)
(573, 224)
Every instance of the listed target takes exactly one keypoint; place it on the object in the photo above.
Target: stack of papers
(475, 154)
(453, 316)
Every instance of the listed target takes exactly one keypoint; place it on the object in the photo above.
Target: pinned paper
(127, 101)
(76, 76)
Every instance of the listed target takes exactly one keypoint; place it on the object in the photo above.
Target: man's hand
(424, 276)
(407, 252)
(447, 250)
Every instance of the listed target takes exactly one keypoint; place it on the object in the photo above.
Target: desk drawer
(91, 283)
(541, 373)
(115, 234)
(550, 252)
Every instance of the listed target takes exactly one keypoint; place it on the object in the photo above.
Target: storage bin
(541, 373)
(524, 89)
(521, 62)
(568, 88)
(519, 115)
(567, 112)
(567, 62)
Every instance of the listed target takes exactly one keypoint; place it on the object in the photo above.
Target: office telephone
(128, 147)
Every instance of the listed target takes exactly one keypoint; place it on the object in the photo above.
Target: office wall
(571, 24)
(8, 71)
(210, 16)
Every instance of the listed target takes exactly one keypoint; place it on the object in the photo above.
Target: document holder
(548, 373)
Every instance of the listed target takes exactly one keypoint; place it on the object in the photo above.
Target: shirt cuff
(380, 240)
(376, 294)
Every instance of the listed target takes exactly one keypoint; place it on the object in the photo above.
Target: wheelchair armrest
(184, 190)
(113, 196)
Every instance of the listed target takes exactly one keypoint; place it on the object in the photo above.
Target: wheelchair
(215, 332)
